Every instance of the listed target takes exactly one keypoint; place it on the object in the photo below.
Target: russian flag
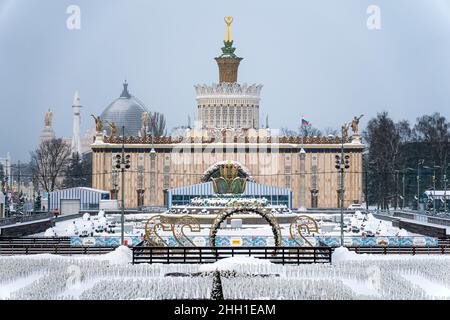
(305, 123)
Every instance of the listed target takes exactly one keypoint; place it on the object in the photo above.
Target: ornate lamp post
(342, 163)
(122, 163)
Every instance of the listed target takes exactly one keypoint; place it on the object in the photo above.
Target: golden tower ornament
(228, 62)
(228, 21)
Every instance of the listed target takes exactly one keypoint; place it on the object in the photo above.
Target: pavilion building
(227, 145)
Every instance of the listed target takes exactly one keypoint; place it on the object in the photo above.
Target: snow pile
(102, 223)
(122, 255)
(402, 233)
(101, 214)
(72, 230)
(86, 216)
(359, 215)
(50, 232)
(235, 264)
(343, 254)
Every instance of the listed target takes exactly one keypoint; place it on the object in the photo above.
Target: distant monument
(98, 129)
(47, 133)
(76, 111)
(112, 129)
(356, 137)
(344, 131)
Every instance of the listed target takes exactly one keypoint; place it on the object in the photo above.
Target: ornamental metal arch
(264, 213)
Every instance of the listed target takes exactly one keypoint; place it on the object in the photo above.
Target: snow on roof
(83, 188)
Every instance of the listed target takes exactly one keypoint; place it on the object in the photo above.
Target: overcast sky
(316, 58)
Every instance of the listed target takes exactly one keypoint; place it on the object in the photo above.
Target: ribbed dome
(124, 111)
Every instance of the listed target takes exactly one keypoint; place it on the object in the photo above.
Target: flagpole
(301, 133)
(302, 169)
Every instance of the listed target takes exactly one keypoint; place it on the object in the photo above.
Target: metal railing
(25, 218)
(442, 249)
(200, 255)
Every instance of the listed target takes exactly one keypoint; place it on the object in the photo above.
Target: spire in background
(228, 62)
(76, 139)
(76, 99)
(125, 93)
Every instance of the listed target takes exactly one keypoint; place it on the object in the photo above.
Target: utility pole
(18, 177)
(367, 187)
(122, 163)
(445, 186)
(403, 190)
(434, 188)
(396, 188)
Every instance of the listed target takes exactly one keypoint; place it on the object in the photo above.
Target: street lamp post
(365, 160)
(445, 187)
(342, 163)
(419, 163)
(396, 188)
(434, 188)
(404, 185)
(366, 182)
(122, 163)
(403, 190)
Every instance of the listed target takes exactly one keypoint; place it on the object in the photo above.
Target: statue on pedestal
(344, 129)
(98, 123)
(355, 124)
(48, 118)
(112, 128)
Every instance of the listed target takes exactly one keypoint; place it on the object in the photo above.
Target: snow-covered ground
(111, 276)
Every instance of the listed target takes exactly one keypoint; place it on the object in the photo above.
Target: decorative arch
(223, 215)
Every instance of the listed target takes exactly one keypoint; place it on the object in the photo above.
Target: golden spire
(228, 21)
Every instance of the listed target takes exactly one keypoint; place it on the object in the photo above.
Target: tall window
(217, 117)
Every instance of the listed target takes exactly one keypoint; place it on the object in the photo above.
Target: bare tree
(310, 131)
(288, 132)
(331, 131)
(48, 162)
(384, 138)
(433, 132)
(306, 131)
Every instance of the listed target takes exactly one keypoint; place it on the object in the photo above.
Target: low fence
(55, 249)
(177, 254)
(200, 255)
(34, 240)
(61, 246)
(443, 249)
(423, 217)
(25, 218)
